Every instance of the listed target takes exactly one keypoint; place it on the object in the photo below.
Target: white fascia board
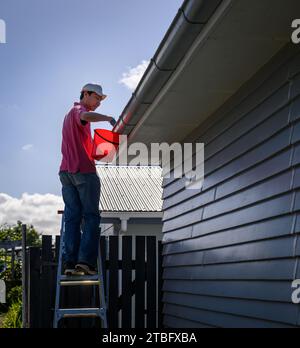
(209, 28)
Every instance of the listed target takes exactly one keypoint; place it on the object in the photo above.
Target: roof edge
(189, 21)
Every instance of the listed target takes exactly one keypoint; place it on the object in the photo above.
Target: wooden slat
(113, 282)
(57, 242)
(54, 272)
(103, 252)
(46, 295)
(27, 286)
(24, 278)
(151, 282)
(34, 293)
(126, 281)
(86, 300)
(140, 283)
(160, 285)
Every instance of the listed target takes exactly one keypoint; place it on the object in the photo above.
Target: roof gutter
(186, 26)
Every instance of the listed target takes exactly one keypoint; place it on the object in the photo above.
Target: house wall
(232, 250)
(134, 230)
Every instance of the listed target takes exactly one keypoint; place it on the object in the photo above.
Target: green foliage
(13, 233)
(14, 295)
(13, 318)
(13, 307)
(7, 274)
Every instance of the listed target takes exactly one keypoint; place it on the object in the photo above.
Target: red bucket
(106, 144)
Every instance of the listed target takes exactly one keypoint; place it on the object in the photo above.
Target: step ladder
(79, 280)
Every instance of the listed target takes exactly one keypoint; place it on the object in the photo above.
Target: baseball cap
(92, 87)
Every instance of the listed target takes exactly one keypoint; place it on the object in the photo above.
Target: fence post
(34, 293)
(24, 279)
(13, 250)
(126, 281)
(140, 282)
(151, 281)
(46, 283)
(160, 285)
(113, 293)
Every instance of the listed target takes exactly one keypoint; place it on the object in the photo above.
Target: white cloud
(2, 31)
(36, 209)
(131, 78)
(27, 147)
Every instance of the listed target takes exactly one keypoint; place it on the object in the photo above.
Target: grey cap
(91, 87)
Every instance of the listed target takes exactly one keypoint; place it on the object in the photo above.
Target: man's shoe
(85, 268)
(69, 268)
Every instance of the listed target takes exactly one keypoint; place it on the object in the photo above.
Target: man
(80, 183)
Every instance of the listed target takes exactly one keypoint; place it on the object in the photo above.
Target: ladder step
(79, 282)
(80, 312)
(80, 277)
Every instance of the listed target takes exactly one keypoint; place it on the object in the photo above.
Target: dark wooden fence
(133, 286)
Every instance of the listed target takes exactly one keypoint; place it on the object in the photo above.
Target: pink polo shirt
(77, 143)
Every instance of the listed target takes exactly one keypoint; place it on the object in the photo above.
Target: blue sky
(53, 48)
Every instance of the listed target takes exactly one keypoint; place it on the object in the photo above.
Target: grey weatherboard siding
(232, 250)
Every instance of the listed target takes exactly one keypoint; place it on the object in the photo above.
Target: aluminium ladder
(79, 280)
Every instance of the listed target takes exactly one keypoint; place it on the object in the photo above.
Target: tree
(13, 306)
(13, 233)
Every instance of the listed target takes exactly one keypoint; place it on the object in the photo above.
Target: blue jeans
(81, 195)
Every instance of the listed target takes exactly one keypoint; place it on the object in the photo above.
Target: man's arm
(95, 117)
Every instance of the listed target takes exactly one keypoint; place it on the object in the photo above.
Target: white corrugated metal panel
(130, 188)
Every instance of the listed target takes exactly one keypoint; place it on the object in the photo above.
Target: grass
(2, 315)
